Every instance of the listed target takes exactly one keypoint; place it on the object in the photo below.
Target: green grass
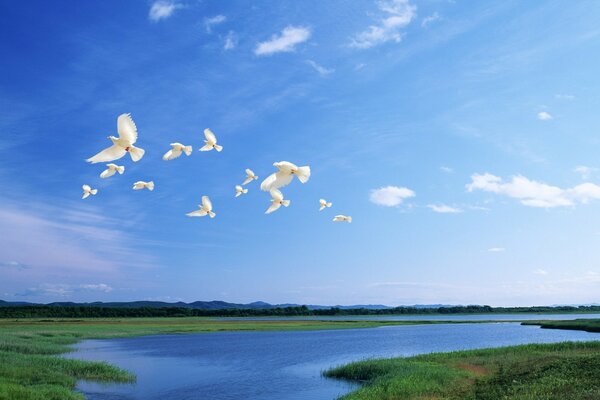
(588, 325)
(530, 372)
(30, 368)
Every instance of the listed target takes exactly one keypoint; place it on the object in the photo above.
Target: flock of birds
(128, 136)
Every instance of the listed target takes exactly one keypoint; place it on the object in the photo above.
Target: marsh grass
(569, 370)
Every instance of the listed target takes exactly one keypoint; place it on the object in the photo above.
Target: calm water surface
(280, 365)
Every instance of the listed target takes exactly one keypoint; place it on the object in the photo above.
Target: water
(426, 317)
(282, 365)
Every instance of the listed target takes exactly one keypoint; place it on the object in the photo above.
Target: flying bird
(342, 218)
(112, 169)
(324, 203)
(121, 145)
(240, 190)
(139, 185)
(210, 142)
(205, 209)
(176, 150)
(87, 190)
(277, 201)
(284, 176)
(249, 176)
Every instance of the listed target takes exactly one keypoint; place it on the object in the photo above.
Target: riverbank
(587, 325)
(568, 370)
(30, 368)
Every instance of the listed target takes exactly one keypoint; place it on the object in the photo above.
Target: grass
(30, 368)
(588, 325)
(569, 370)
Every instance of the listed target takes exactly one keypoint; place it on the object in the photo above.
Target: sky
(462, 137)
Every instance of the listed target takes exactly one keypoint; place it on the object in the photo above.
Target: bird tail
(121, 170)
(349, 220)
(150, 185)
(206, 147)
(211, 214)
(187, 150)
(303, 174)
(329, 204)
(136, 153)
(245, 191)
(218, 148)
(286, 203)
(94, 191)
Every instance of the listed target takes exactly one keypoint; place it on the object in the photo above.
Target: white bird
(205, 209)
(211, 141)
(284, 176)
(277, 201)
(324, 203)
(249, 176)
(87, 190)
(342, 218)
(139, 185)
(121, 145)
(112, 169)
(176, 150)
(240, 190)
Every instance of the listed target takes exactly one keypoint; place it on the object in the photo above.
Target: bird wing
(247, 181)
(197, 213)
(210, 136)
(322, 202)
(172, 154)
(276, 180)
(276, 195)
(338, 218)
(206, 203)
(111, 153)
(249, 173)
(86, 188)
(126, 128)
(275, 206)
(107, 173)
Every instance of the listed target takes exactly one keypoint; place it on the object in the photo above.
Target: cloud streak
(290, 37)
(398, 14)
(162, 10)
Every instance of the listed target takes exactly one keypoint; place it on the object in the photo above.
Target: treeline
(110, 312)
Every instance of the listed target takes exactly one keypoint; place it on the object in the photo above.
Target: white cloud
(496, 249)
(444, 209)
(585, 172)
(533, 193)
(569, 97)
(13, 264)
(544, 116)
(285, 42)
(447, 170)
(162, 9)
(216, 20)
(320, 69)
(398, 14)
(231, 41)
(430, 19)
(540, 271)
(390, 196)
(100, 287)
(63, 289)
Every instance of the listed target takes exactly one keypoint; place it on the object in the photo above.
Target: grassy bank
(30, 368)
(529, 372)
(588, 325)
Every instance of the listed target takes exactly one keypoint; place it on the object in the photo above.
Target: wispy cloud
(444, 209)
(544, 116)
(390, 196)
(398, 14)
(430, 19)
(13, 265)
(534, 194)
(540, 271)
(231, 41)
(287, 41)
(496, 249)
(320, 69)
(585, 172)
(63, 290)
(212, 21)
(162, 10)
(447, 170)
(568, 97)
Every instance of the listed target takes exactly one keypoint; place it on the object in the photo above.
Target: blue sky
(462, 137)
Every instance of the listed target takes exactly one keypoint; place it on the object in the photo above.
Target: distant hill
(206, 305)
